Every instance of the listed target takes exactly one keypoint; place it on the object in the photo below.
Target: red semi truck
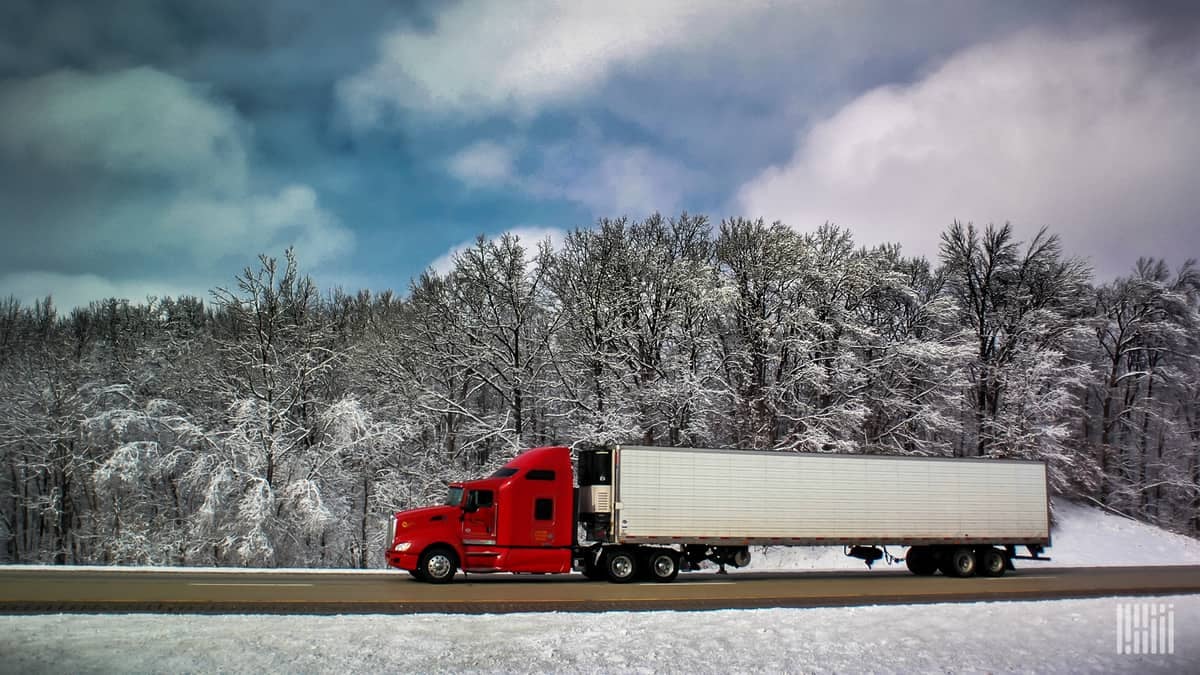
(626, 512)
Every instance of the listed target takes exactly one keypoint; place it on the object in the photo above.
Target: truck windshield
(454, 498)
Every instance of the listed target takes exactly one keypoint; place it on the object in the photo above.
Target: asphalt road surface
(115, 590)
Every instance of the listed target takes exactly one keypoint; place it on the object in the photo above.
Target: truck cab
(519, 519)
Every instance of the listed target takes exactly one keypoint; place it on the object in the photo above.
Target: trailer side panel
(680, 495)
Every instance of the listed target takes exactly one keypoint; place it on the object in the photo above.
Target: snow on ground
(1067, 636)
(1081, 536)
(1084, 535)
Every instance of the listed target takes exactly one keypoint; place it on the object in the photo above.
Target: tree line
(276, 424)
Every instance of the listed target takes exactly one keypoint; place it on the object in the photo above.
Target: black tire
(438, 565)
(592, 571)
(921, 561)
(663, 566)
(992, 562)
(961, 562)
(415, 574)
(621, 566)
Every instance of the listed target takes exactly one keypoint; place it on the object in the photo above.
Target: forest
(277, 424)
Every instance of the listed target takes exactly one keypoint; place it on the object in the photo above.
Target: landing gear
(734, 556)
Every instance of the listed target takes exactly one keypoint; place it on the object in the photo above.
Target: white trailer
(960, 516)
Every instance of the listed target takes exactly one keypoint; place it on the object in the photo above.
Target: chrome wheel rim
(664, 566)
(622, 566)
(439, 566)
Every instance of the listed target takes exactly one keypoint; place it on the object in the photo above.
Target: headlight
(403, 546)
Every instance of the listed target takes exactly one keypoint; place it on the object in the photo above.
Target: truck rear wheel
(921, 561)
(961, 563)
(663, 565)
(992, 562)
(621, 566)
(437, 565)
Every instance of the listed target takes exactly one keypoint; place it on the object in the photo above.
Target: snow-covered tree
(634, 357)
(1145, 327)
(259, 485)
(1023, 307)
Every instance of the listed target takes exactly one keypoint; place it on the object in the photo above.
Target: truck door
(479, 518)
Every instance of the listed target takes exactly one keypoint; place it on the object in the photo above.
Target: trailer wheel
(621, 566)
(992, 562)
(438, 565)
(663, 566)
(961, 563)
(921, 561)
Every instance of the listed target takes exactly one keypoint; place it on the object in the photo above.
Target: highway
(120, 590)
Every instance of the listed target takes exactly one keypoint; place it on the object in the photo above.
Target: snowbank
(1066, 636)
(1081, 536)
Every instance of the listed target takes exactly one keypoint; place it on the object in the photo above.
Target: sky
(157, 147)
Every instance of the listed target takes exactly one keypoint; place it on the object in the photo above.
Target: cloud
(607, 178)
(613, 179)
(138, 174)
(1091, 134)
(140, 122)
(673, 84)
(255, 222)
(485, 163)
(78, 290)
(521, 55)
(531, 237)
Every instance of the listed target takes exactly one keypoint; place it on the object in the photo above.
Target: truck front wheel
(621, 566)
(437, 565)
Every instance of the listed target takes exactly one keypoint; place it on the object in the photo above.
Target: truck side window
(540, 474)
(543, 509)
(480, 498)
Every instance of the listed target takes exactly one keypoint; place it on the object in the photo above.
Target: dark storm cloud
(160, 144)
(157, 144)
